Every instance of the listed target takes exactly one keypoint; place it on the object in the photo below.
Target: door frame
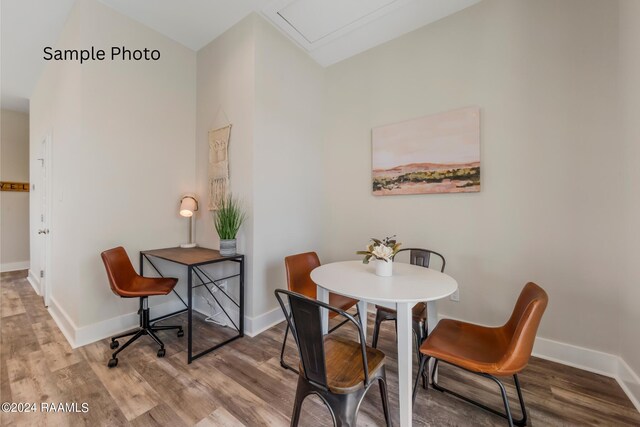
(46, 182)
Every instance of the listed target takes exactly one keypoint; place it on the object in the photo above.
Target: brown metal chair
(421, 257)
(299, 269)
(337, 370)
(126, 283)
(488, 352)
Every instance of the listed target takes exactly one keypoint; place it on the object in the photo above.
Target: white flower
(382, 252)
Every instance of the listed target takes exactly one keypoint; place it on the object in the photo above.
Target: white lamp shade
(188, 205)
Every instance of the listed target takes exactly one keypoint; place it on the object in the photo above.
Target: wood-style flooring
(243, 383)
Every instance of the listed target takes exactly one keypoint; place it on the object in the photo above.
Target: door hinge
(41, 273)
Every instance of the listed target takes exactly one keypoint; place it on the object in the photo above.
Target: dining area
(399, 288)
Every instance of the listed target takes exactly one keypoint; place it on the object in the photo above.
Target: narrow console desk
(194, 259)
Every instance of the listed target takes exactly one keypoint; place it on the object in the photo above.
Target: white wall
(543, 74)
(630, 105)
(123, 155)
(271, 92)
(14, 218)
(288, 193)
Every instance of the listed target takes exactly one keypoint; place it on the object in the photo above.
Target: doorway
(44, 236)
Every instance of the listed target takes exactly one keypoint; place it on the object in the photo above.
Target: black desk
(194, 259)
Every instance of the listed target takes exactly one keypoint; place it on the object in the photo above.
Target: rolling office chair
(126, 283)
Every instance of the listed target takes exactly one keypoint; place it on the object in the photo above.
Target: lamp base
(188, 245)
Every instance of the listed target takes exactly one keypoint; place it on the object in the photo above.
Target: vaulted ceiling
(329, 30)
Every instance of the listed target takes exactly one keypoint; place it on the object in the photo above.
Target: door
(45, 214)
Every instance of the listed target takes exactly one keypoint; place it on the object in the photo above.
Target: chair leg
(503, 392)
(127, 334)
(155, 338)
(132, 339)
(345, 408)
(423, 361)
(284, 346)
(376, 329)
(523, 420)
(301, 393)
(382, 383)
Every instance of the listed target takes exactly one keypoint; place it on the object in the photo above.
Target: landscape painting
(439, 153)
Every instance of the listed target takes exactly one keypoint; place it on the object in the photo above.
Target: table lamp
(188, 206)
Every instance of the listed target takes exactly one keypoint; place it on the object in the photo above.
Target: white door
(45, 213)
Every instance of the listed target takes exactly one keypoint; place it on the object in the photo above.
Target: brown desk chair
(126, 283)
(421, 257)
(338, 370)
(299, 269)
(486, 351)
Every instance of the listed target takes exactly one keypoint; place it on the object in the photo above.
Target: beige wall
(122, 136)
(14, 218)
(630, 97)
(288, 193)
(544, 77)
(225, 93)
(272, 94)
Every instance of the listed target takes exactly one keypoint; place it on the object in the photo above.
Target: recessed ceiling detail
(333, 30)
(315, 19)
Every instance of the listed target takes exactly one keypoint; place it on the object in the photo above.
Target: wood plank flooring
(243, 383)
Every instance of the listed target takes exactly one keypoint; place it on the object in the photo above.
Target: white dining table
(409, 285)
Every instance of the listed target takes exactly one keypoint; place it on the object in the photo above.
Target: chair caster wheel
(114, 345)
(161, 352)
(113, 362)
(180, 333)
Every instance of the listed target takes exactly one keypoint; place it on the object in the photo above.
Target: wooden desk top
(190, 256)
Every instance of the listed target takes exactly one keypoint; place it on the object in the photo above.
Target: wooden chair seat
(344, 364)
(419, 311)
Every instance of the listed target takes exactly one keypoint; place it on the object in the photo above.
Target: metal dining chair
(298, 268)
(338, 370)
(422, 258)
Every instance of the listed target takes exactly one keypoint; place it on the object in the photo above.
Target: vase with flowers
(382, 252)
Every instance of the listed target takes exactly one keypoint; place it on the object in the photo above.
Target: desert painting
(439, 153)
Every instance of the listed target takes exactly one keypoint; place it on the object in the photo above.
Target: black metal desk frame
(204, 280)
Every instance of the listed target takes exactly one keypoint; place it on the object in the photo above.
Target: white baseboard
(609, 365)
(79, 336)
(64, 322)
(630, 382)
(256, 325)
(14, 266)
(35, 282)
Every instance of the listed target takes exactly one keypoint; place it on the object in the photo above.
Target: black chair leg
(301, 393)
(382, 383)
(132, 339)
(509, 417)
(423, 361)
(284, 364)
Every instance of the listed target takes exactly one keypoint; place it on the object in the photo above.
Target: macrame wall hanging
(218, 166)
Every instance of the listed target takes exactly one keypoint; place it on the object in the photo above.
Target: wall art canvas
(439, 153)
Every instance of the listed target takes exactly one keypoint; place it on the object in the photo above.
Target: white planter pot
(384, 268)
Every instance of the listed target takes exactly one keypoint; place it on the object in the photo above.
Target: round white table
(409, 285)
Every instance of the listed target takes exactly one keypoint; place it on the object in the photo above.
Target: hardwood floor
(243, 383)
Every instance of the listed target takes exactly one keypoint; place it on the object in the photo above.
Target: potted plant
(383, 252)
(227, 221)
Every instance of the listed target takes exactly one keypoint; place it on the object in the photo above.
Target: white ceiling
(329, 30)
(27, 26)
